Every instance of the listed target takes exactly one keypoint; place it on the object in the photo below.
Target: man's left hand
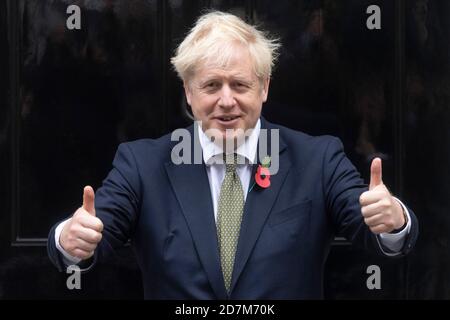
(382, 213)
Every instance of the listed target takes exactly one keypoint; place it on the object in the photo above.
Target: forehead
(237, 62)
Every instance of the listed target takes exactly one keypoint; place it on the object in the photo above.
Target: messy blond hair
(213, 39)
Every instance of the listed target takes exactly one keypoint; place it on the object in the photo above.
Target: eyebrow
(232, 78)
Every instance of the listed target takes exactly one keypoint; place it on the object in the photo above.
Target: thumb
(375, 173)
(88, 200)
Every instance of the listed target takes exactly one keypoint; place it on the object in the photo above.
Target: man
(234, 230)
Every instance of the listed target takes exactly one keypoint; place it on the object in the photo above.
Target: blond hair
(213, 39)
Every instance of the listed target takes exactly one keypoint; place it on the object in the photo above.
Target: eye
(212, 85)
(240, 85)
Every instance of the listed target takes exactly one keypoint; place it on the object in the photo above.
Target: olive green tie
(230, 209)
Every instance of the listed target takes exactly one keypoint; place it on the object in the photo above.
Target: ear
(265, 89)
(187, 92)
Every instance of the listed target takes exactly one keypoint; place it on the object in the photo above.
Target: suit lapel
(191, 186)
(257, 207)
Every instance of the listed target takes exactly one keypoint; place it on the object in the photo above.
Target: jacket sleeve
(116, 205)
(343, 186)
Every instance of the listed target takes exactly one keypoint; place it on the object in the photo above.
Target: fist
(381, 212)
(83, 231)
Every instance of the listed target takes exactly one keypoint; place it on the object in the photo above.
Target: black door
(68, 97)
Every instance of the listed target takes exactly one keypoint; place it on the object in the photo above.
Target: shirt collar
(247, 150)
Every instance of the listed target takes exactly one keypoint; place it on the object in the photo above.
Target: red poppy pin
(262, 176)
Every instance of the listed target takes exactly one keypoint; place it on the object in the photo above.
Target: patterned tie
(230, 209)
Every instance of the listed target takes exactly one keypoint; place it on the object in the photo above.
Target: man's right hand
(83, 231)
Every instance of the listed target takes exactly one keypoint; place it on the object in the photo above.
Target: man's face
(227, 98)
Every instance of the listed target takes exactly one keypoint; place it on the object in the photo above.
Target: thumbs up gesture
(83, 231)
(381, 212)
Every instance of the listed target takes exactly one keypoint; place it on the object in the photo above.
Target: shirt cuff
(67, 258)
(394, 241)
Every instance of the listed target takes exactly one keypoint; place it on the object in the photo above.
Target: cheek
(203, 105)
(254, 106)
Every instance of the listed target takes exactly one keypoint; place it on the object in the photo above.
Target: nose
(226, 98)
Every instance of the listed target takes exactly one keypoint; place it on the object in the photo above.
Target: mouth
(227, 119)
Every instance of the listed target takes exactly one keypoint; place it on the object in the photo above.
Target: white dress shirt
(213, 155)
(215, 168)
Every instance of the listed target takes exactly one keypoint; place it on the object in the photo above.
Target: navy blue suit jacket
(167, 212)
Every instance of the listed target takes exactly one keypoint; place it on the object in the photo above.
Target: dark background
(69, 97)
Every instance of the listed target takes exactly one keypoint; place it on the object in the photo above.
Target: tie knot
(230, 161)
